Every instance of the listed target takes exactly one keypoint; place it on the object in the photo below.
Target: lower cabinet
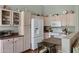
(18, 44)
(12, 45)
(8, 45)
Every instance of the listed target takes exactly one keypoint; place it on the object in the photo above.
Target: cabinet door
(8, 45)
(18, 44)
(27, 18)
(15, 18)
(71, 19)
(27, 37)
(46, 21)
(59, 18)
(5, 18)
(63, 20)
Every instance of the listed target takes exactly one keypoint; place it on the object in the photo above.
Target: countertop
(57, 39)
(63, 36)
(53, 40)
(11, 36)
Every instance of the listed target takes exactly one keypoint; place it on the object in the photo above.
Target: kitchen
(22, 28)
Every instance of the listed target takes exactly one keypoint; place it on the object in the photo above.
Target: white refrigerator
(36, 31)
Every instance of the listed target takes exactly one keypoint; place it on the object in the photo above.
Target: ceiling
(44, 9)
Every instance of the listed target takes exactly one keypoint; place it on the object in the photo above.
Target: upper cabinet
(5, 17)
(15, 18)
(27, 18)
(46, 21)
(66, 20)
(9, 17)
(71, 19)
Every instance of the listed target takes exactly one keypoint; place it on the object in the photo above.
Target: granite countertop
(11, 36)
(63, 36)
(53, 40)
(70, 36)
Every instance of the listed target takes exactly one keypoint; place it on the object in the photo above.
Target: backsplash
(71, 28)
(14, 28)
(59, 29)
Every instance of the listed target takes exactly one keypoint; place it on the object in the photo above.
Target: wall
(13, 28)
(77, 17)
(52, 9)
(32, 8)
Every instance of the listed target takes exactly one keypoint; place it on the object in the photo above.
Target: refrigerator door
(37, 31)
(35, 42)
(34, 27)
(40, 26)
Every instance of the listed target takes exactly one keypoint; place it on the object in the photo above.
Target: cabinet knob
(8, 40)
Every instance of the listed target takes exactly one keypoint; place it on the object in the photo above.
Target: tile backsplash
(59, 29)
(71, 28)
(14, 28)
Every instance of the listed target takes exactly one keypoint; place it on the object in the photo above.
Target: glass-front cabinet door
(5, 17)
(16, 18)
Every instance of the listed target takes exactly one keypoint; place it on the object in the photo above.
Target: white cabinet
(5, 17)
(25, 28)
(9, 17)
(15, 18)
(12, 45)
(63, 20)
(66, 20)
(46, 21)
(71, 19)
(8, 45)
(27, 37)
(18, 44)
(27, 18)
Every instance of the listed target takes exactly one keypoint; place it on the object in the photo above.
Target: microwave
(56, 24)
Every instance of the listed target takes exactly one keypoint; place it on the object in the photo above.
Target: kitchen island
(56, 41)
(64, 43)
(68, 41)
